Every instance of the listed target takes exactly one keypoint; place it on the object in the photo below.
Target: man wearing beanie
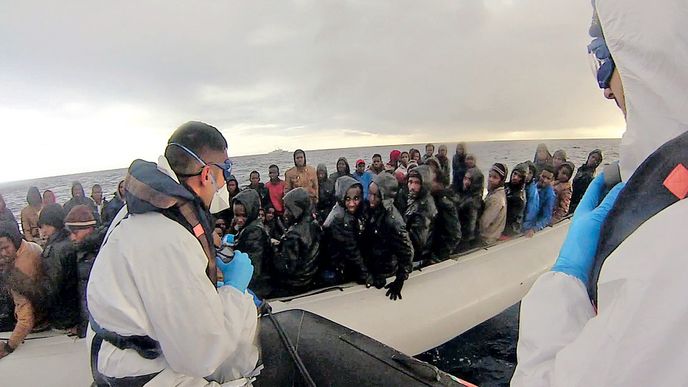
(493, 220)
(59, 264)
(20, 269)
(81, 225)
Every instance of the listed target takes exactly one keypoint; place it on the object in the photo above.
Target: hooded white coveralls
(639, 335)
(149, 279)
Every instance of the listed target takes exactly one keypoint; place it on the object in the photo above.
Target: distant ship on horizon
(278, 151)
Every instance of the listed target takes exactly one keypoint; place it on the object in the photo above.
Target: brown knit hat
(79, 218)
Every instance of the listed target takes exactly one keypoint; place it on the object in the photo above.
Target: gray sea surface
(484, 355)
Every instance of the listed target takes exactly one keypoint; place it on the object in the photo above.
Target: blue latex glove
(238, 272)
(256, 300)
(578, 251)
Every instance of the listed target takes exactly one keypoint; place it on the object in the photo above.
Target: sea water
(486, 354)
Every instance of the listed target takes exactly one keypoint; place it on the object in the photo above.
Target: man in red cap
(393, 163)
(362, 176)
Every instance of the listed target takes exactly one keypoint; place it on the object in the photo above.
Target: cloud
(284, 71)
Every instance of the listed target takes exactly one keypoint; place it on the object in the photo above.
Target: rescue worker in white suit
(613, 310)
(157, 318)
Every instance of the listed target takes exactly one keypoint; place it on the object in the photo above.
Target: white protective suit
(638, 336)
(149, 279)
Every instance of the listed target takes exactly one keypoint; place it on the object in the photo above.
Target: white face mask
(220, 200)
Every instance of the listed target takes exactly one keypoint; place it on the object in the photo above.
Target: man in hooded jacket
(155, 276)
(470, 206)
(301, 175)
(79, 198)
(420, 211)
(326, 198)
(612, 310)
(459, 167)
(446, 233)
(583, 178)
(387, 247)
(343, 229)
(296, 259)
(253, 239)
(342, 169)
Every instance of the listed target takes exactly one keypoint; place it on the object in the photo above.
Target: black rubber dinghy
(334, 355)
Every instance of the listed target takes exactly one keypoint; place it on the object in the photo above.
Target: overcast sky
(90, 85)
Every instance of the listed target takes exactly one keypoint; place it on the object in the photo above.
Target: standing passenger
(446, 232)
(79, 197)
(29, 215)
(98, 200)
(429, 151)
(493, 219)
(470, 205)
(515, 200)
(113, 206)
(326, 195)
(542, 158)
(256, 185)
(343, 169)
(376, 167)
(584, 176)
(402, 170)
(558, 158)
(275, 189)
(386, 244)
(420, 211)
(302, 175)
(459, 167)
(49, 197)
(6, 214)
(393, 163)
(362, 176)
(444, 164)
(414, 155)
(543, 213)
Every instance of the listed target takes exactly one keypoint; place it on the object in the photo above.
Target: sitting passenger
(296, 259)
(420, 211)
(543, 212)
(515, 200)
(470, 205)
(386, 244)
(562, 189)
(252, 239)
(532, 198)
(20, 271)
(584, 176)
(87, 240)
(59, 263)
(343, 228)
(558, 158)
(273, 224)
(493, 219)
(446, 233)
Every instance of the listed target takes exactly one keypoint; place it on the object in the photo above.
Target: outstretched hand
(578, 251)
(237, 272)
(394, 289)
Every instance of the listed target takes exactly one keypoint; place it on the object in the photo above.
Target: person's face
(443, 152)
(564, 175)
(466, 181)
(615, 91)
(377, 162)
(261, 214)
(414, 185)
(255, 179)
(541, 154)
(557, 161)
(8, 253)
(239, 215)
(429, 150)
(416, 156)
(516, 178)
(77, 191)
(404, 159)
(322, 175)
(120, 189)
(288, 216)
(360, 168)
(594, 160)
(493, 180)
(374, 198)
(77, 236)
(529, 175)
(352, 199)
(231, 186)
(545, 179)
(47, 231)
(273, 173)
(270, 215)
(341, 166)
(221, 224)
(97, 194)
(460, 149)
(211, 178)
(300, 160)
(470, 162)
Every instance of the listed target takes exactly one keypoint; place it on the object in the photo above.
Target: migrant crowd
(310, 229)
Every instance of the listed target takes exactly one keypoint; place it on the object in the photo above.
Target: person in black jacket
(255, 184)
(343, 229)
(470, 206)
(459, 167)
(326, 198)
(515, 200)
(113, 206)
(60, 268)
(253, 240)
(343, 169)
(420, 211)
(296, 258)
(78, 198)
(584, 176)
(386, 243)
(446, 233)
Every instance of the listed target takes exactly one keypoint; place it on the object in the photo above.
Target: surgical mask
(220, 200)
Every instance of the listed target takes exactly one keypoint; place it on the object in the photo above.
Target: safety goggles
(601, 60)
(225, 166)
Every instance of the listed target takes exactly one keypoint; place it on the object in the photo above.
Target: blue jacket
(539, 210)
(364, 178)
